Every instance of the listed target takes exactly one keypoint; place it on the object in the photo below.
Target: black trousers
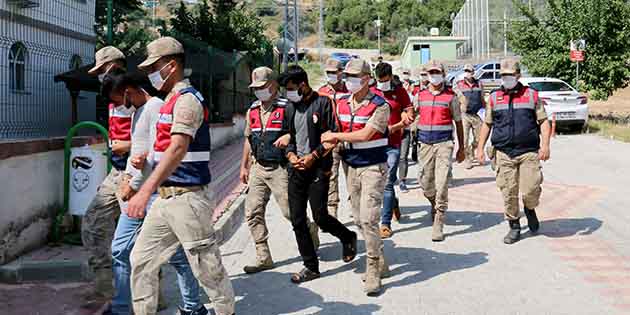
(312, 186)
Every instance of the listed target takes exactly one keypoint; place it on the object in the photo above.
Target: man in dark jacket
(310, 162)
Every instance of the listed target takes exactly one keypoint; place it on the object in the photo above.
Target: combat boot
(263, 259)
(313, 229)
(200, 311)
(532, 220)
(372, 277)
(437, 235)
(514, 234)
(383, 268)
(103, 290)
(468, 164)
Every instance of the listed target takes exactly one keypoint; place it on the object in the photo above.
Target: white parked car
(561, 99)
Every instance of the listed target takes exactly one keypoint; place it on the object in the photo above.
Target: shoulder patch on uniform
(192, 91)
(345, 96)
(281, 102)
(378, 100)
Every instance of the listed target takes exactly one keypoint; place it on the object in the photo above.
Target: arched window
(18, 56)
(75, 62)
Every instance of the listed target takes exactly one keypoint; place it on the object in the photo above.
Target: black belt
(268, 164)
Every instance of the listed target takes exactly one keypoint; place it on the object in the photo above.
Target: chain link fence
(486, 24)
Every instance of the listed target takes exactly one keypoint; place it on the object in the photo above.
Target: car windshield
(550, 86)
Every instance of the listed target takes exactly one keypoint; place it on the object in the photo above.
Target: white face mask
(332, 78)
(156, 78)
(263, 95)
(354, 84)
(436, 79)
(468, 75)
(101, 77)
(384, 86)
(424, 77)
(405, 77)
(294, 96)
(508, 81)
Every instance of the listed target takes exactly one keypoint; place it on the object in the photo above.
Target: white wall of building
(55, 31)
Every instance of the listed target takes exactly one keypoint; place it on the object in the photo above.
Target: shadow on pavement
(425, 264)
(270, 293)
(457, 182)
(559, 228)
(476, 221)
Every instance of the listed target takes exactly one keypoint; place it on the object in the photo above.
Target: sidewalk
(52, 278)
(575, 265)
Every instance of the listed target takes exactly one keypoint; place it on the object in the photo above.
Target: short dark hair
(383, 69)
(294, 74)
(119, 83)
(109, 81)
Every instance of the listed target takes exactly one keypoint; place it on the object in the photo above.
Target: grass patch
(610, 129)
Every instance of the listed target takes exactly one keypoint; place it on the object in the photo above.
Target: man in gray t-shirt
(301, 134)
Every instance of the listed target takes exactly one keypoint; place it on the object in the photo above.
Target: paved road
(578, 264)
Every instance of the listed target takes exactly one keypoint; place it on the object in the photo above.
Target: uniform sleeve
(488, 118)
(380, 118)
(456, 112)
(541, 114)
(188, 115)
(248, 130)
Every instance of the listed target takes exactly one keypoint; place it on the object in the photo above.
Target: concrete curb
(231, 219)
(49, 271)
(59, 271)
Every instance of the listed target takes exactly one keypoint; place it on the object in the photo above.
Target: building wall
(440, 50)
(35, 194)
(53, 33)
(29, 202)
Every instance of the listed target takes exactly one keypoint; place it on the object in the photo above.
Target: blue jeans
(124, 239)
(389, 196)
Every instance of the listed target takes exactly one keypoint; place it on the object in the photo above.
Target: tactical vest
(261, 139)
(193, 169)
(373, 151)
(436, 121)
(515, 128)
(119, 129)
(474, 95)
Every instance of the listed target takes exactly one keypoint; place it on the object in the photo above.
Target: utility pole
(505, 25)
(284, 36)
(321, 28)
(110, 23)
(487, 30)
(378, 33)
(296, 13)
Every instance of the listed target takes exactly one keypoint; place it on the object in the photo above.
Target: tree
(182, 20)
(543, 42)
(128, 18)
(234, 28)
(409, 17)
